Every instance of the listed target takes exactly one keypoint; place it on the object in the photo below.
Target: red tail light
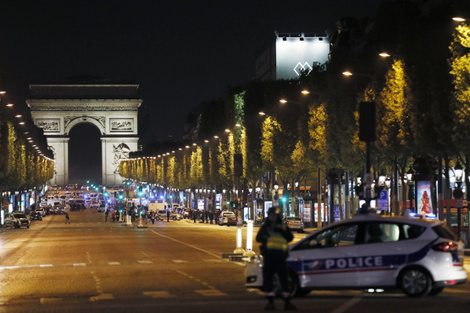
(448, 246)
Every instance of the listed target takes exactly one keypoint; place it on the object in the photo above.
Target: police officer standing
(274, 236)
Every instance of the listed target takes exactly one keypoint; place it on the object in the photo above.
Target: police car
(417, 255)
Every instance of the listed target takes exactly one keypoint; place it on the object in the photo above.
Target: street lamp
(458, 196)
(409, 177)
(459, 19)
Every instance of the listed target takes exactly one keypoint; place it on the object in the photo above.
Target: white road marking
(51, 300)
(184, 243)
(148, 256)
(210, 292)
(345, 306)
(158, 294)
(179, 261)
(103, 296)
(145, 262)
(79, 264)
(114, 263)
(46, 265)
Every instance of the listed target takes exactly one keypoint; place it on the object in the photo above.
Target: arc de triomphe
(112, 108)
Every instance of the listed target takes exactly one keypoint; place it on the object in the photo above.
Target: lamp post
(409, 177)
(458, 196)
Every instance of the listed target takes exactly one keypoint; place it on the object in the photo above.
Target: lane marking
(148, 256)
(50, 300)
(158, 294)
(210, 292)
(186, 244)
(103, 296)
(346, 306)
(114, 263)
(179, 261)
(46, 265)
(145, 262)
(79, 264)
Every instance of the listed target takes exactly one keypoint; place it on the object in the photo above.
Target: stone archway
(112, 108)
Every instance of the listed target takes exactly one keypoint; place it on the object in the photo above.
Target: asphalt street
(95, 266)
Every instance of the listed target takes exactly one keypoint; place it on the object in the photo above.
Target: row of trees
(22, 166)
(422, 95)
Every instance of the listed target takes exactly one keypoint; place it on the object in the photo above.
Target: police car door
(380, 254)
(327, 259)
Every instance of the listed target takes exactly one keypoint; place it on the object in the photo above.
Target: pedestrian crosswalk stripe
(145, 262)
(158, 294)
(79, 264)
(210, 292)
(114, 263)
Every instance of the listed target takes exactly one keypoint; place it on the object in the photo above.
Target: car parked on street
(17, 220)
(416, 255)
(227, 218)
(295, 223)
(35, 216)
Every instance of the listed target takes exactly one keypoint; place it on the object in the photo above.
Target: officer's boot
(270, 305)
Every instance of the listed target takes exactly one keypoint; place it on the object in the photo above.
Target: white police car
(418, 256)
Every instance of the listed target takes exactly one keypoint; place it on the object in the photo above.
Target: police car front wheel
(415, 282)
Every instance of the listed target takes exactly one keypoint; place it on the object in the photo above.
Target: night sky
(182, 53)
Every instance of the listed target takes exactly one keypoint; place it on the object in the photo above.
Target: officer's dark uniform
(274, 236)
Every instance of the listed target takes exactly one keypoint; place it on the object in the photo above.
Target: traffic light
(121, 196)
(367, 121)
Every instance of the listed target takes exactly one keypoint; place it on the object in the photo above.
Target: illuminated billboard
(297, 54)
(290, 54)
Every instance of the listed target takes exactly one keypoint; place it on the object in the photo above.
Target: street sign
(382, 201)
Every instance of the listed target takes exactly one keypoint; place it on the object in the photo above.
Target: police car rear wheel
(415, 282)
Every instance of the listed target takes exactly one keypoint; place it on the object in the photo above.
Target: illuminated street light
(384, 55)
(262, 113)
(347, 73)
(459, 19)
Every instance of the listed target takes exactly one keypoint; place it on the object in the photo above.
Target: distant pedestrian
(106, 216)
(114, 216)
(168, 216)
(67, 218)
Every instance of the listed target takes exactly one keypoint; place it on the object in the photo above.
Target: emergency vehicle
(417, 255)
